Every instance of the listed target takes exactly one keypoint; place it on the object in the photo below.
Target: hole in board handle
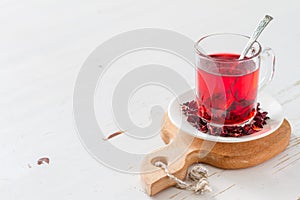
(159, 159)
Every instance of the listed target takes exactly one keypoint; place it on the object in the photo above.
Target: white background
(42, 47)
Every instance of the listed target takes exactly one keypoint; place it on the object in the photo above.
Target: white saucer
(267, 102)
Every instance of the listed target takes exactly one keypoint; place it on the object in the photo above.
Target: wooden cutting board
(183, 150)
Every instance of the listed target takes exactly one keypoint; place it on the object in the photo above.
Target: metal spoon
(261, 26)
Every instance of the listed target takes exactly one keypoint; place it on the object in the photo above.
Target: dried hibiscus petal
(43, 161)
(190, 109)
(114, 134)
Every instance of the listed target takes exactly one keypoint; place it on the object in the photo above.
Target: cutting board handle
(177, 155)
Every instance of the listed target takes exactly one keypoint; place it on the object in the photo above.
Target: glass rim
(203, 54)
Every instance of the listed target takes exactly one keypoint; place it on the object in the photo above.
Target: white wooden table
(43, 45)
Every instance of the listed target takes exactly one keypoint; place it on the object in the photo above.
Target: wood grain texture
(183, 150)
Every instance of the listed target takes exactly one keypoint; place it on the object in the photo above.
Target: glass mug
(226, 86)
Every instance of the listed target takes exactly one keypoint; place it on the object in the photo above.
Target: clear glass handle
(268, 66)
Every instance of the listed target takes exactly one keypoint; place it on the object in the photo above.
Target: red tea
(226, 89)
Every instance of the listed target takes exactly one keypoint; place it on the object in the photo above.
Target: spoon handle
(261, 26)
